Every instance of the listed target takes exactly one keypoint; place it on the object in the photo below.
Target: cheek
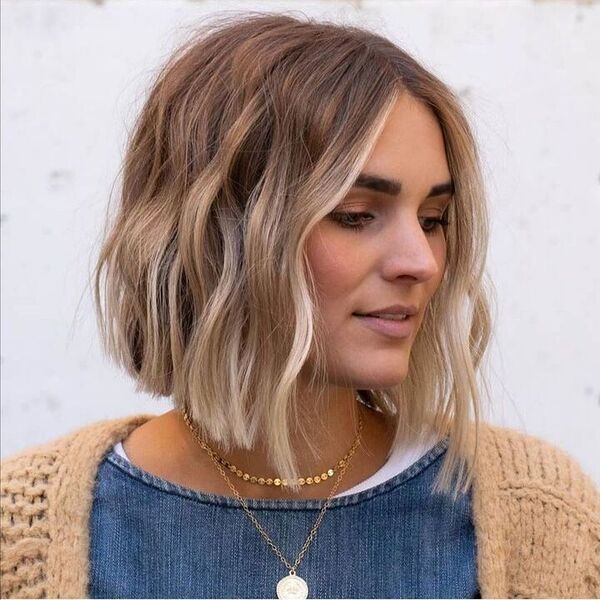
(335, 267)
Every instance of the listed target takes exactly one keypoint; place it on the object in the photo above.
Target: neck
(180, 458)
(332, 425)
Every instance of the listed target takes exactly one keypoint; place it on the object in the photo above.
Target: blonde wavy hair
(253, 131)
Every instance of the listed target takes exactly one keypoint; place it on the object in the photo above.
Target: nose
(409, 252)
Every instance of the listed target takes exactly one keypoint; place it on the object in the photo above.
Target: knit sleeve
(591, 570)
(24, 540)
(553, 515)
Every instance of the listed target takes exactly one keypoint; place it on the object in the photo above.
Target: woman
(298, 260)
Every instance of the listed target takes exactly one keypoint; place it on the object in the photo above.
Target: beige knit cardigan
(536, 516)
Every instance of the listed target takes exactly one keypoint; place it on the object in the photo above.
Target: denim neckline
(272, 504)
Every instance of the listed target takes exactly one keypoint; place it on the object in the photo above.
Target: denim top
(153, 538)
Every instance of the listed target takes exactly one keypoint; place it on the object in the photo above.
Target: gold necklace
(277, 481)
(291, 586)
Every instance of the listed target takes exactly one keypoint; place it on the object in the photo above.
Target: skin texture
(391, 260)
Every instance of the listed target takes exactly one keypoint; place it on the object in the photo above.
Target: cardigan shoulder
(45, 491)
(550, 512)
(527, 462)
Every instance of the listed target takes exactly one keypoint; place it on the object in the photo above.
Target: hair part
(252, 132)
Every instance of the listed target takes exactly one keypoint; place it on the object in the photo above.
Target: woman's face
(395, 256)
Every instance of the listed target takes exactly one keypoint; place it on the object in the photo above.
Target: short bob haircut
(253, 131)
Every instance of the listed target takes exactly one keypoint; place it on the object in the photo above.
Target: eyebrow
(392, 187)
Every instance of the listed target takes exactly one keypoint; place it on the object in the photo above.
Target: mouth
(396, 326)
(390, 317)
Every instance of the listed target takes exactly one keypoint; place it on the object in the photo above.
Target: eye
(351, 220)
(435, 224)
(356, 221)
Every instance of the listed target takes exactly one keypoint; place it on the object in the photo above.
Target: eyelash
(339, 216)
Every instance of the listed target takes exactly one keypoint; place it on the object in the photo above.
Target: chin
(382, 372)
(374, 380)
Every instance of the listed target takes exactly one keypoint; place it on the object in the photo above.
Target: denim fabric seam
(164, 485)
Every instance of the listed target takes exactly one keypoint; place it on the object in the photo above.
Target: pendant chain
(242, 501)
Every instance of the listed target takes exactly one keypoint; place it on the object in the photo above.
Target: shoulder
(522, 464)
(41, 488)
(538, 515)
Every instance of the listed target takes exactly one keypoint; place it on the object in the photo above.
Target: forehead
(410, 147)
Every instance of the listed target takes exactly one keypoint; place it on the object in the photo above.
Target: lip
(396, 329)
(394, 309)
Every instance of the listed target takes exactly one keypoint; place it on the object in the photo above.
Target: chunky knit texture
(536, 516)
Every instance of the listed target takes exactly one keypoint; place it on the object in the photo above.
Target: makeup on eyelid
(355, 219)
(339, 216)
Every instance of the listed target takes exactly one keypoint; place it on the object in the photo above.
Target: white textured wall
(73, 74)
